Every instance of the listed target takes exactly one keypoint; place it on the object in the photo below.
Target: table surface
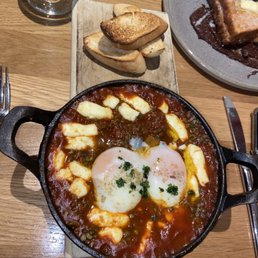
(39, 61)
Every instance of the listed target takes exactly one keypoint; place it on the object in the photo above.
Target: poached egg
(119, 175)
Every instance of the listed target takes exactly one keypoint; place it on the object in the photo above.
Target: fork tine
(7, 91)
(1, 87)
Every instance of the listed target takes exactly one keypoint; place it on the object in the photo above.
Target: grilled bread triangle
(106, 52)
(133, 30)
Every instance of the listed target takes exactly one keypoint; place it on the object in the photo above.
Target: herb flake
(120, 182)
(172, 189)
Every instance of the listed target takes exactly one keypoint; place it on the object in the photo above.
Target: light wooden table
(38, 58)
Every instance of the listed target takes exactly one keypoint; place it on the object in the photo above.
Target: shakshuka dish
(132, 172)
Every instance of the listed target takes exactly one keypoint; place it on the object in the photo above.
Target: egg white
(167, 172)
(111, 167)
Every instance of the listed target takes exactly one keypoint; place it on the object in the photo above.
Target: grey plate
(201, 53)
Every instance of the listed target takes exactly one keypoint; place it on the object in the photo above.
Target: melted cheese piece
(59, 159)
(111, 101)
(94, 111)
(64, 174)
(79, 143)
(79, 187)
(127, 112)
(137, 102)
(145, 237)
(177, 127)
(114, 234)
(195, 163)
(194, 186)
(103, 218)
(79, 170)
(76, 129)
(163, 107)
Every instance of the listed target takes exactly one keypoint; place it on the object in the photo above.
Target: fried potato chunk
(195, 163)
(94, 111)
(79, 170)
(79, 187)
(103, 218)
(114, 234)
(76, 129)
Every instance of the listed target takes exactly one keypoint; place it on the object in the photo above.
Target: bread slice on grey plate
(130, 61)
(120, 9)
(133, 30)
(153, 48)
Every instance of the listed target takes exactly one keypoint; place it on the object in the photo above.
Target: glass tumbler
(48, 12)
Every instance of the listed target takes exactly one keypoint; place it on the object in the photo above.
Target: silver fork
(5, 96)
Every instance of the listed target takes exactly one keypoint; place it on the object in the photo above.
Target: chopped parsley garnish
(154, 217)
(172, 189)
(127, 165)
(146, 171)
(133, 186)
(144, 191)
(161, 189)
(191, 192)
(120, 182)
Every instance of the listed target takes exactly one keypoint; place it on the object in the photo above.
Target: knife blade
(240, 145)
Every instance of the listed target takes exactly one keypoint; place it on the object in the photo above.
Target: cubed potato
(136, 102)
(114, 234)
(79, 187)
(94, 111)
(64, 174)
(195, 163)
(111, 101)
(79, 170)
(127, 112)
(76, 129)
(177, 127)
(59, 159)
(80, 142)
(103, 218)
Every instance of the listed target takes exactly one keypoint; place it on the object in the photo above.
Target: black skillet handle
(16, 117)
(247, 160)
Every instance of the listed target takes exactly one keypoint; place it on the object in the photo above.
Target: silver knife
(240, 145)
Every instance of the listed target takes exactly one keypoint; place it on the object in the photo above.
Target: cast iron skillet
(49, 120)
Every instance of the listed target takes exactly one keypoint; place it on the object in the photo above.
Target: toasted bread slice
(106, 52)
(153, 48)
(133, 30)
(120, 9)
(235, 22)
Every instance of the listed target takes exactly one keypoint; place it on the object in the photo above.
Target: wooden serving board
(87, 72)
